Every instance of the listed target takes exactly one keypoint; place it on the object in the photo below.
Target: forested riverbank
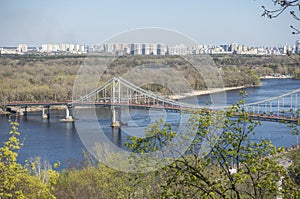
(51, 78)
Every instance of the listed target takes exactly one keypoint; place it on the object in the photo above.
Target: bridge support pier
(69, 117)
(20, 112)
(25, 111)
(46, 115)
(114, 122)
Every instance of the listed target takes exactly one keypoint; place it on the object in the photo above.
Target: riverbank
(205, 92)
(277, 77)
(217, 90)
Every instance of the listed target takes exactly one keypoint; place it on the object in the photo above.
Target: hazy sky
(91, 21)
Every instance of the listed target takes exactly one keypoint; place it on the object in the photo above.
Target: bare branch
(273, 13)
(294, 15)
(296, 30)
(283, 5)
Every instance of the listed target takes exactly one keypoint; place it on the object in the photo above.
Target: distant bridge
(118, 92)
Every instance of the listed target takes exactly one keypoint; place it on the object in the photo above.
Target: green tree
(93, 182)
(296, 73)
(294, 170)
(235, 166)
(17, 181)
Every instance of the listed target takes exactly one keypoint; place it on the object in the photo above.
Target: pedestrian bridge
(118, 92)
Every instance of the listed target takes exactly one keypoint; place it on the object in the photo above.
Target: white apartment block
(71, 48)
(22, 48)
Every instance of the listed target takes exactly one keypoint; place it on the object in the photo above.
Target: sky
(37, 22)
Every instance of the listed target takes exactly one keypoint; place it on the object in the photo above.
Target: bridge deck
(32, 104)
(143, 106)
(274, 118)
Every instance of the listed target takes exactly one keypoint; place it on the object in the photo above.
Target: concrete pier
(20, 111)
(25, 111)
(114, 122)
(69, 117)
(44, 114)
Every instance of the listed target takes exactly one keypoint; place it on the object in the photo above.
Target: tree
(96, 182)
(234, 167)
(18, 181)
(294, 170)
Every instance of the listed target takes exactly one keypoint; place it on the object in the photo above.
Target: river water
(53, 140)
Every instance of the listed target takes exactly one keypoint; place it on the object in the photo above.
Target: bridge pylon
(115, 98)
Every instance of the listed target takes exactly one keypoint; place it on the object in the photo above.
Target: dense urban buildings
(150, 49)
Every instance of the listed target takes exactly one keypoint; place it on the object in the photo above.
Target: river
(53, 140)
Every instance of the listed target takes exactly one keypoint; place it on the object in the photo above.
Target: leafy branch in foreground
(18, 181)
(237, 164)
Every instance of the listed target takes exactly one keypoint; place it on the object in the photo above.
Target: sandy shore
(204, 92)
(280, 77)
(210, 91)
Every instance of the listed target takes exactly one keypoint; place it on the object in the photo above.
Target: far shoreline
(207, 92)
(218, 90)
(180, 96)
(276, 77)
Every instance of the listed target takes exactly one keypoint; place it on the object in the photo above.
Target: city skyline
(152, 48)
(91, 22)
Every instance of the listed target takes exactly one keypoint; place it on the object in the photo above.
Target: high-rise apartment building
(23, 48)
